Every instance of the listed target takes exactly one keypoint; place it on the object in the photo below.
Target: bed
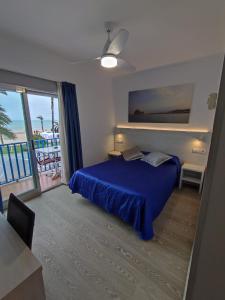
(134, 191)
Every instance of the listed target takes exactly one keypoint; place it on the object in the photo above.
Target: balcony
(15, 166)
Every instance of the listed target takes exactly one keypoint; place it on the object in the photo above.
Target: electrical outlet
(199, 150)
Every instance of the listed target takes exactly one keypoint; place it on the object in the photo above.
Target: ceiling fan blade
(84, 61)
(118, 43)
(121, 63)
(106, 46)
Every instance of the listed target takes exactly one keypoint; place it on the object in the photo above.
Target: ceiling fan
(113, 47)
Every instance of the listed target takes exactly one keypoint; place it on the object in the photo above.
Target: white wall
(94, 91)
(204, 73)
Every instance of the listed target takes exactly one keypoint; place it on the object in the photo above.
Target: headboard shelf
(177, 128)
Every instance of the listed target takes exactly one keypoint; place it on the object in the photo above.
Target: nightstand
(192, 173)
(113, 154)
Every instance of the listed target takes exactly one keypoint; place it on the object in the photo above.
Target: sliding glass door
(18, 167)
(44, 114)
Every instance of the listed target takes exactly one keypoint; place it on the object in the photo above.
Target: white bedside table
(192, 173)
(113, 154)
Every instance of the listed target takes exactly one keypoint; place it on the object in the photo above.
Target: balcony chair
(43, 161)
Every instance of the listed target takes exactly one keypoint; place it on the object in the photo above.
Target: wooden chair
(21, 218)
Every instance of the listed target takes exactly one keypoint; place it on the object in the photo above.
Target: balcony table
(20, 272)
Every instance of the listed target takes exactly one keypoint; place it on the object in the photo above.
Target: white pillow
(132, 154)
(156, 159)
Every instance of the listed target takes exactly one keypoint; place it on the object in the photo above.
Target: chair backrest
(21, 218)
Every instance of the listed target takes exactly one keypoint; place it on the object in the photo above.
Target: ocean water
(19, 126)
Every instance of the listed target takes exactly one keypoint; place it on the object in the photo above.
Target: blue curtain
(72, 125)
(1, 203)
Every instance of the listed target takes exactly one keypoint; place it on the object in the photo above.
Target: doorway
(30, 156)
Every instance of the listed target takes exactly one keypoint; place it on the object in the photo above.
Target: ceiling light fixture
(109, 61)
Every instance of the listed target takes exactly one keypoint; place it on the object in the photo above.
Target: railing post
(24, 167)
(28, 157)
(10, 162)
(17, 162)
(3, 164)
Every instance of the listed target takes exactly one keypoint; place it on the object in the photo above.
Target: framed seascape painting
(171, 104)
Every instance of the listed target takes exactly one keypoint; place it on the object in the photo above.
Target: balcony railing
(15, 160)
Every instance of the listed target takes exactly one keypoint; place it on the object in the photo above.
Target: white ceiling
(161, 31)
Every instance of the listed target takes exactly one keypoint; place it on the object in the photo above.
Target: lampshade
(119, 138)
(108, 61)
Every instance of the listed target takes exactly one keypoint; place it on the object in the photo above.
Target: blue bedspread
(132, 190)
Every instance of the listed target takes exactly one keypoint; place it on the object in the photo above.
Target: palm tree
(4, 121)
(42, 121)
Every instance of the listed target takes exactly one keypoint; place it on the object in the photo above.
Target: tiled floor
(26, 184)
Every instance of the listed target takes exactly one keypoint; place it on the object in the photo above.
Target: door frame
(36, 190)
(203, 280)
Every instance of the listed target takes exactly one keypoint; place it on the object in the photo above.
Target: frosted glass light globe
(108, 61)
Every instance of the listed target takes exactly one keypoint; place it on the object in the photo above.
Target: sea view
(19, 126)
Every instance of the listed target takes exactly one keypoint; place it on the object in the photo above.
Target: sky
(161, 99)
(38, 105)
